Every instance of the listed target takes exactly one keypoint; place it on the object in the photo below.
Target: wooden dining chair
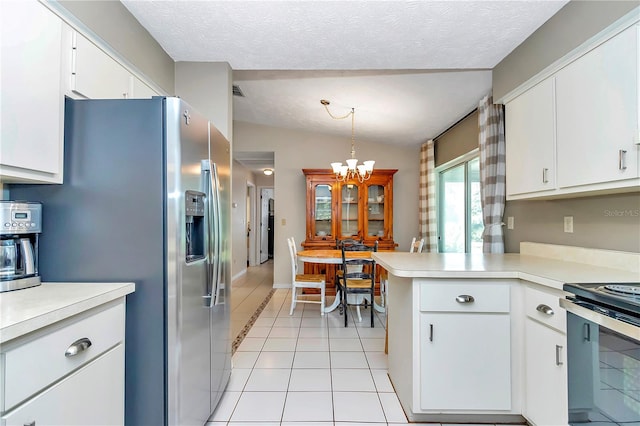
(358, 278)
(416, 245)
(301, 281)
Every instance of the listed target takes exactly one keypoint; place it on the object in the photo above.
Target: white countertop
(24, 311)
(540, 270)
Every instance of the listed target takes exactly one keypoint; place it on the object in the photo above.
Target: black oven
(603, 353)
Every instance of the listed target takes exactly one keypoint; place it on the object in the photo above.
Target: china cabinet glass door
(323, 215)
(350, 225)
(375, 211)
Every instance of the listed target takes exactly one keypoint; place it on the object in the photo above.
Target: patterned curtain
(427, 203)
(492, 173)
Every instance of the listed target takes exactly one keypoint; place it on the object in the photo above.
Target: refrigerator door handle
(218, 241)
(211, 263)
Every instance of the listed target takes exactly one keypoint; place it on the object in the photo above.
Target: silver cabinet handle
(465, 298)
(558, 350)
(586, 332)
(621, 158)
(545, 309)
(545, 175)
(33, 423)
(431, 332)
(77, 347)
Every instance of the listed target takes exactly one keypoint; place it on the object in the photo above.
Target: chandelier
(352, 170)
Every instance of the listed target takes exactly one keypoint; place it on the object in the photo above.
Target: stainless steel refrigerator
(146, 198)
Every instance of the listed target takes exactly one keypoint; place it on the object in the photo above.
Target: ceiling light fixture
(268, 172)
(352, 170)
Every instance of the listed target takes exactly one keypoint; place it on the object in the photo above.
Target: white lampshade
(344, 170)
(336, 167)
(362, 170)
(351, 163)
(368, 165)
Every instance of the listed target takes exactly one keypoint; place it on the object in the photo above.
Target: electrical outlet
(510, 223)
(568, 224)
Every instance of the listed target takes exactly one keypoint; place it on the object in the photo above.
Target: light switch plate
(568, 224)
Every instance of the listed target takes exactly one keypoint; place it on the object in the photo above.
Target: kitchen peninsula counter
(27, 310)
(540, 270)
(456, 325)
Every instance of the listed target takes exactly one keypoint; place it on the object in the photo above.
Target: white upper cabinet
(32, 107)
(96, 75)
(530, 140)
(597, 107)
(577, 131)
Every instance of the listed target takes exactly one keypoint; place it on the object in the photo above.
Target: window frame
(456, 162)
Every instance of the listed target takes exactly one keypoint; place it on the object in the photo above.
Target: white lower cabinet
(92, 395)
(465, 361)
(545, 358)
(546, 375)
(68, 373)
(465, 346)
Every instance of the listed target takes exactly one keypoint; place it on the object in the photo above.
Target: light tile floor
(308, 369)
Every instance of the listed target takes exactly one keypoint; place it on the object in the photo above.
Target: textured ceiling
(410, 68)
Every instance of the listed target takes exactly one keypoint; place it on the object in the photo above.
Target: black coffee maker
(20, 228)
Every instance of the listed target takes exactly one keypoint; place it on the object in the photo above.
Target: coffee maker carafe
(20, 228)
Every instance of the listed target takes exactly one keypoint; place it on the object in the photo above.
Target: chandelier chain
(352, 170)
(352, 113)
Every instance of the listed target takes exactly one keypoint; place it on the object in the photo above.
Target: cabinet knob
(545, 309)
(77, 347)
(465, 298)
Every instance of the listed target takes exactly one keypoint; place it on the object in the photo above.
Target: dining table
(334, 257)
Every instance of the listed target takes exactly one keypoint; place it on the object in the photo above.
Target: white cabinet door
(139, 90)
(96, 75)
(545, 375)
(93, 395)
(530, 140)
(597, 114)
(31, 104)
(465, 361)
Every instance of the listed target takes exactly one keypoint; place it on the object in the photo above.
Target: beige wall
(569, 28)
(241, 176)
(113, 23)
(207, 86)
(457, 141)
(605, 222)
(295, 150)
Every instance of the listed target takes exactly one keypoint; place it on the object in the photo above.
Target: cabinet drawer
(93, 395)
(449, 297)
(34, 365)
(536, 304)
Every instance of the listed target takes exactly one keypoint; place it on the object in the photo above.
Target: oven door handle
(602, 319)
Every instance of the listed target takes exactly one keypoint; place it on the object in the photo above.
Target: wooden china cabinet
(351, 209)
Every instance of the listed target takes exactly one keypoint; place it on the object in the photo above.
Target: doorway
(267, 205)
(251, 225)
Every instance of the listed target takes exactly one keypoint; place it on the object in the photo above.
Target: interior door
(265, 195)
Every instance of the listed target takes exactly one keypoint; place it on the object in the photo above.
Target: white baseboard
(239, 274)
(283, 285)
